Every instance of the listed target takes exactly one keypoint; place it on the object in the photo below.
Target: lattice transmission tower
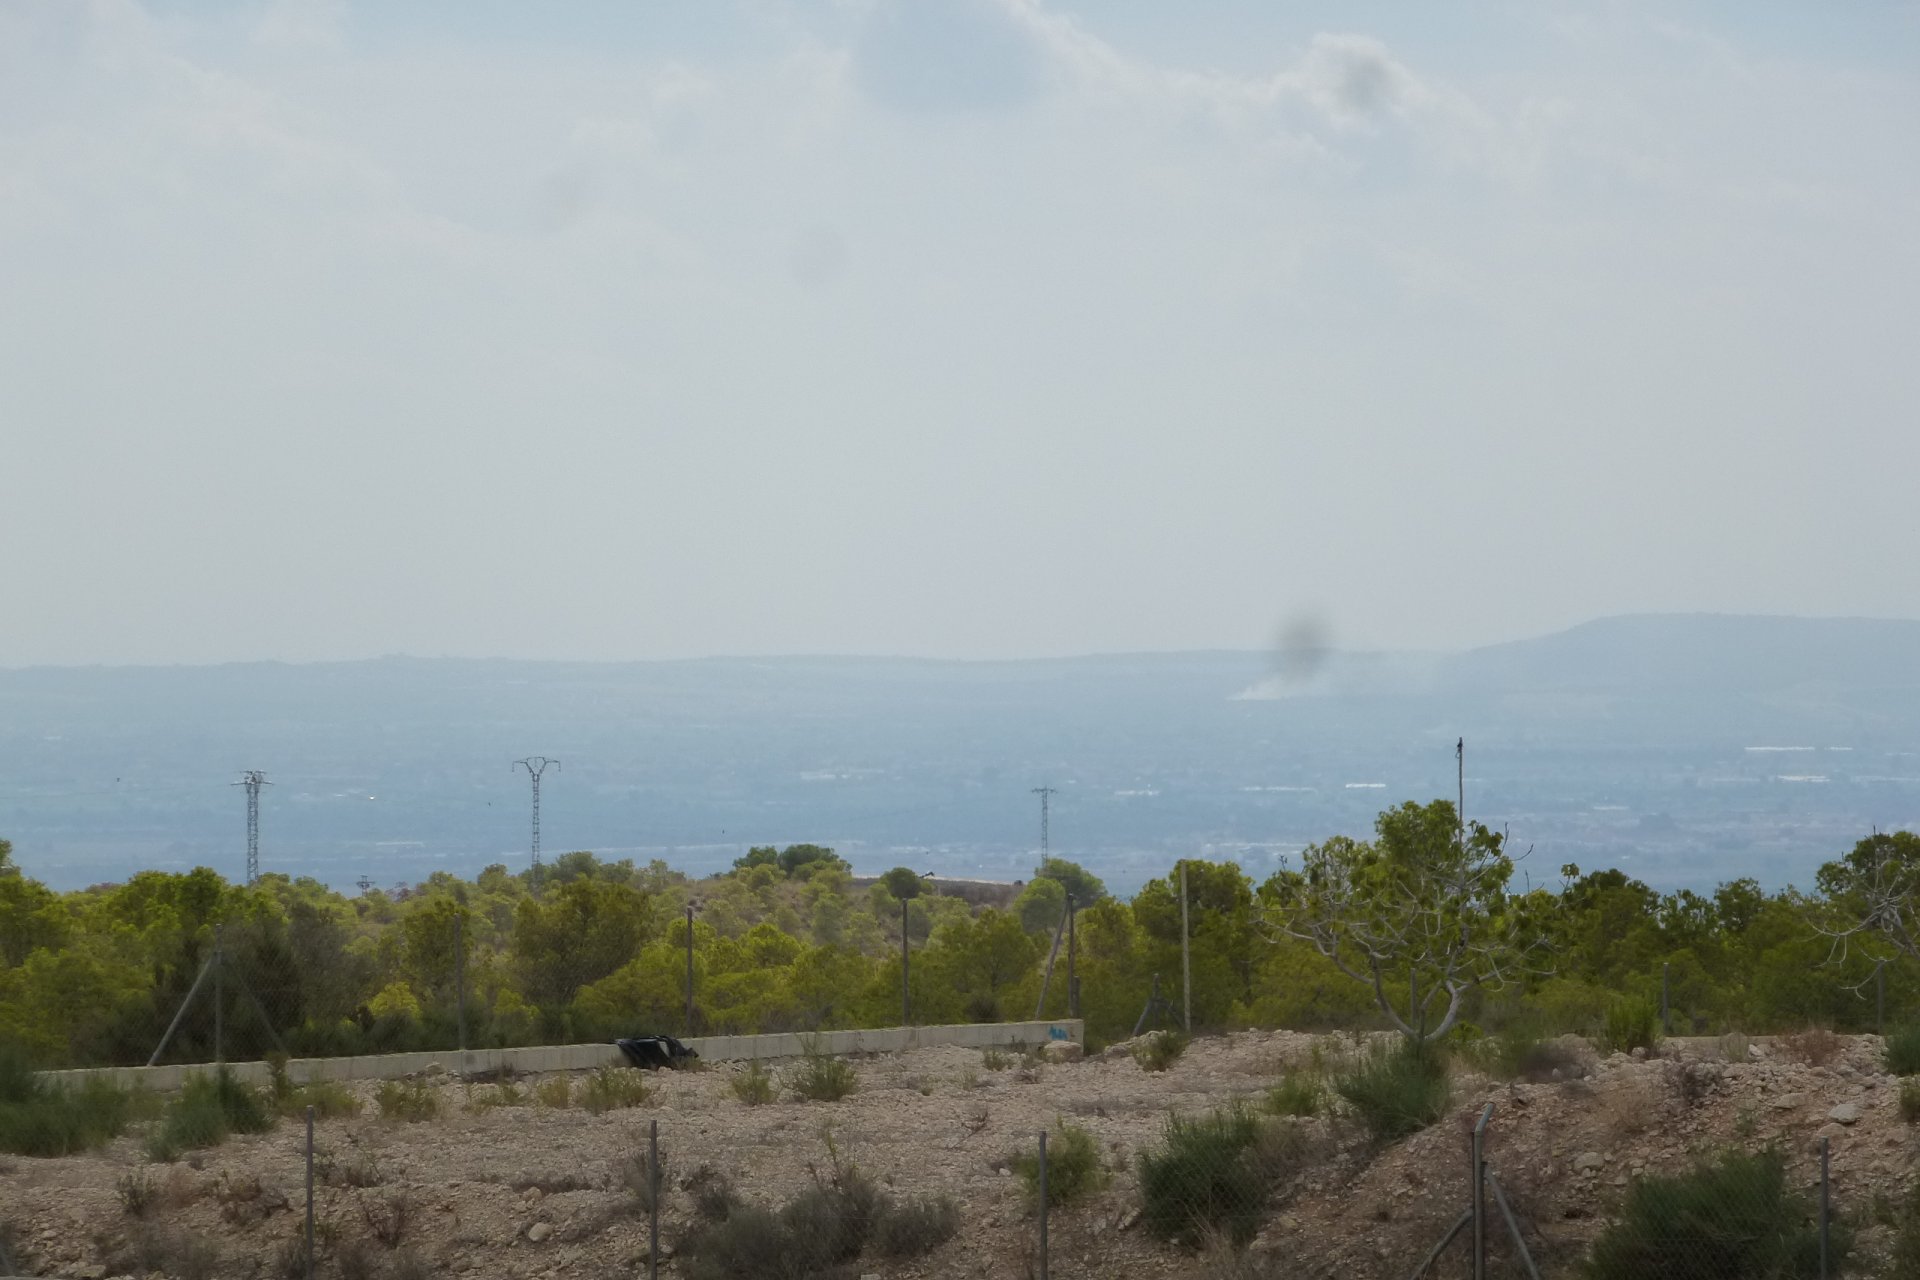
(535, 766)
(253, 780)
(1046, 794)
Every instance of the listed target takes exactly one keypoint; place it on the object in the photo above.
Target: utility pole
(253, 780)
(535, 766)
(1046, 794)
(1460, 768)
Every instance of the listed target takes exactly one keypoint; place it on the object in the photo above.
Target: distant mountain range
(1684, 748)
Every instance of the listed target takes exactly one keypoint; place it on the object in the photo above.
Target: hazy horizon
(956, 328)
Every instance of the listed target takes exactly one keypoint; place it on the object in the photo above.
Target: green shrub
(409, 1101)
(1160, 1050)
(916, 1227)
(819, 1077)
(1730, 1217)
(1902, 1053)
(1632, 1023)
(1212, 1177)
(1073, 1166)
(714, 1198)
(749, 1241)
(1299, 1093)
(645, 1181)
(754, 1086)
(54, 1120)
(555, 1092)
(1397, 1089)
(1910, 1103)
(329, 1098)
(208, 1110)
(612, 1088)
(996, 1059)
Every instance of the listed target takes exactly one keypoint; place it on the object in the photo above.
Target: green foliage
(1212, 1176)
(206, 1112)
(1902, 1052)
(39, 1119)
(1731, 1217)
(1904, 1259)
(612, 1088)
(1160, 1050)
(329, 1099)
(912, 1228)
(1084, 887)
(903, 883)
(1632, 1023)
(821, 1077)
(825, 1227)
(1397, 1089)
(1910, 1100)
(754, 1086)
(1299, 1093)
(408, 1101)
(1074, 1170)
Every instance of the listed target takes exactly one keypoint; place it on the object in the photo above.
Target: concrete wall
(535, 1059)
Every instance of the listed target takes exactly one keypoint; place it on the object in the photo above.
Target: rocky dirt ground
(531, 1191)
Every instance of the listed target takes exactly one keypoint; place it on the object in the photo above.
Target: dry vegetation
(925, 1167)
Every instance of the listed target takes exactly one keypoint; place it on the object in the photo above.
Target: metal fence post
(309, 1191)
(653, 1201)
(219, 997)
(1476, 1148)
(906, 959)
(689, 971)
(1043, 1204)
(1666, 1016)
(460, 977)
(1826, 1203)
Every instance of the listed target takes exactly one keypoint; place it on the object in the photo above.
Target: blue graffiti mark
(1056, 1033)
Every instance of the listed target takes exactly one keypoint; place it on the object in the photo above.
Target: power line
(1046, 794)
(253, 780)
(535, 766)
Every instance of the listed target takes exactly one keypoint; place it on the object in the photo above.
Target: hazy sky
(958, 327)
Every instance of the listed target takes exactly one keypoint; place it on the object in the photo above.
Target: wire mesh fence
(619, 1171)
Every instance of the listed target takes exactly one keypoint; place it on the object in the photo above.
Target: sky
(964, 328)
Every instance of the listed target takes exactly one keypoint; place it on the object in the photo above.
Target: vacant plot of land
(501, 1179)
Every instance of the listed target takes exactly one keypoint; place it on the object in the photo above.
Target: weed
(1730, 1217)
(995, 1059)
(178, 1255)
(1902, 1052)
(328, 1098)
(754, 1086)
(1910, 1100)
(358, 1260)
(505, 1094)
(1397, 1090)
(714, 1198)
(387, 1217)
(40, 1119)
(555, 1092)
(1160, 1050)
(554, 1183)
(818, 1077)
(1516, 1053)
(1213, 1176)
(208, 1110)
(405, 1264)
(138, 1193)
(612, 1088)
(752, 1241)
(362, 1171)
(1073, 1166)
(408, 1101)
(1746, 1123)
(1632, 1023)
(1299, 1093)
(1815, 1046)
(917, 1227)
(1904, 1218)
(645, 1181)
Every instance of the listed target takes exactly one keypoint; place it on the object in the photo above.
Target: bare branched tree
(1421, 914)
(1871, 900)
